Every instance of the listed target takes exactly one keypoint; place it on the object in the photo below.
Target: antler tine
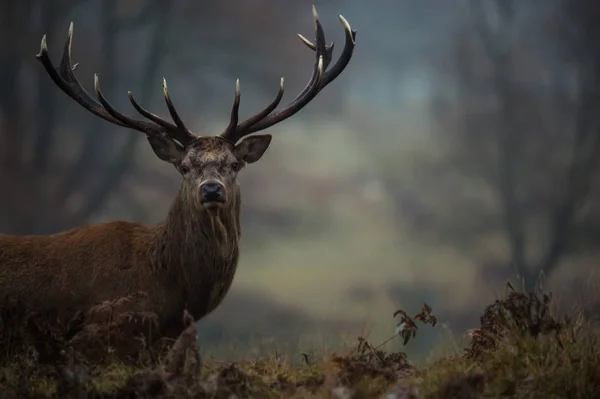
(184, 133)
(124, 119)
(234, 112)
(231, 132)
(65, 79)
(244, 128)
(346, 55)
(147, 114)
(179, 131)
(318, 80)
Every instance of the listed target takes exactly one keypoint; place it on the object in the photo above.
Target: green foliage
(520, 350)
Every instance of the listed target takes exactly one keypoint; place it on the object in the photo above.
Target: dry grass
(521, 350)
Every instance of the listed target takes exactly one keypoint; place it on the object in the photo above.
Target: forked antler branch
(320, 78)
(64, 78)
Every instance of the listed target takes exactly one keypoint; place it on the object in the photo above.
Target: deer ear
(252, 148)
(166, 149)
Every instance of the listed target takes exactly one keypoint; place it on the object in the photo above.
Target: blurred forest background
(460, 146)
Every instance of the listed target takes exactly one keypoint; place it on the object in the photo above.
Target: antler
(317, 82)
(64, 78)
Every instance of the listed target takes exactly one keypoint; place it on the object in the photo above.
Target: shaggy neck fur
(198, 249)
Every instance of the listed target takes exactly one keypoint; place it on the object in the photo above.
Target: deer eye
(235, 166)
(184, 169)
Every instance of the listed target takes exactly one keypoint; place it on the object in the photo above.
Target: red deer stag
(187, 261)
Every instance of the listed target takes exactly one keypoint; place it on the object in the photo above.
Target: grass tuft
(520, 350)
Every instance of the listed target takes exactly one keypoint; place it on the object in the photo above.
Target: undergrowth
(520, 350)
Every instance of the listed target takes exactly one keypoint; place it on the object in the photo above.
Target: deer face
(209, 165)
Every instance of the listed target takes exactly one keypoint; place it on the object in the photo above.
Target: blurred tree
(45, 190)
(522, 134)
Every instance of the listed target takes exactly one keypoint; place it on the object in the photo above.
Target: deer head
(208, 165)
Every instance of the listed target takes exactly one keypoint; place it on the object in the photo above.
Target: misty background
(460, 146)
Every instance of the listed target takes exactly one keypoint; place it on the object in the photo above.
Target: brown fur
(188, 261)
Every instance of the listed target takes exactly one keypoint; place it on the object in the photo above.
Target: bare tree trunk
(46, 105)
(507, 131)
(13, 19)
(94, 139)
(586, 148)
(585, 155)
(117, 169)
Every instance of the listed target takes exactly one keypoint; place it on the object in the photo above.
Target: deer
(188, 261)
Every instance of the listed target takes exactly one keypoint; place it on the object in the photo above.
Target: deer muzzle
(213, 193)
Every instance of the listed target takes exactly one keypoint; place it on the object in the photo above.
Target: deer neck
(197, 251)
(194, 240)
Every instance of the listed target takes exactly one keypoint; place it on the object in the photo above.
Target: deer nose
(212, 192)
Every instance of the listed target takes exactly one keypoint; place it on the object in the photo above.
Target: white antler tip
(306, 41)
(315, 15)
(320, 66)
(345, 23)
(43, 45)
